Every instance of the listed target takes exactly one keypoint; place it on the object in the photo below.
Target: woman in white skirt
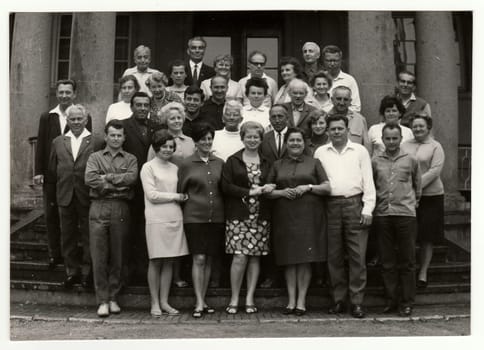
(165, 238)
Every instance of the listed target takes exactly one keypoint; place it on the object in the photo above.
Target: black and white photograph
(235, 173)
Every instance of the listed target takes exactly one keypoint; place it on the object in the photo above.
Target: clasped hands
(296, 192)
(257, 190)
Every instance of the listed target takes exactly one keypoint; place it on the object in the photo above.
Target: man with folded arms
(350, 207)
(110, 174)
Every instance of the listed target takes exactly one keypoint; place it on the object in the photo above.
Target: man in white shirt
(350, 208)
(51, 125)
(68, 159)
(142, 59)
(196, 70)
(332, 56)
(256, 63)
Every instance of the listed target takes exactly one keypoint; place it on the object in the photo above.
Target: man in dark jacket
(51, 125)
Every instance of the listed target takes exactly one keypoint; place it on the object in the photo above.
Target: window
(63, 47)
(122, 45)
(404, 43)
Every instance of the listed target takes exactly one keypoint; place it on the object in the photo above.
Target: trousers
(396, 243)
(109, 225)
(346, 236)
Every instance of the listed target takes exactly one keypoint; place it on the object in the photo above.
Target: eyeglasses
(260, 64)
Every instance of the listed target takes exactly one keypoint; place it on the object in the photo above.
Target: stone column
(371, 60)
(437, 82)
(92, 63)
(29, 96)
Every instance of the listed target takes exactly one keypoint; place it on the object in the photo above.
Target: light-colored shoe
(114, 307)
(103, 310)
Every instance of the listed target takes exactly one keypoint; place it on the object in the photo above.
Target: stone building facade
(94, 48)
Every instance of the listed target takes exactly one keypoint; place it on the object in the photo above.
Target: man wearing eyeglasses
(405, 91)
(256, 65)
(357, 126)
(196, 70)
(332, 57)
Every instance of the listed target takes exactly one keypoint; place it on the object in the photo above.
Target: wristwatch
(310, 188)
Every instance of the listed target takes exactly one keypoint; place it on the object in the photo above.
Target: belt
(344, 197)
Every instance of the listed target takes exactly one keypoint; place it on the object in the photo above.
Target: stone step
(438, 272)
(37, 250)
(27, 291)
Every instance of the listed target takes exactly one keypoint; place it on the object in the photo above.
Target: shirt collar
(261, 108)
(298, 159)
(264, 75)
(84, 134)
(296, 108)
(282, 132)
(192, 64)
(349, 145)
(400, 154)
(57, 110)
(120, 152)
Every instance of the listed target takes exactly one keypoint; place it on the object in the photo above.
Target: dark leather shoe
(390, 308)
(70, 281)
(406, 311)
(53, 262)
(86, 282)
(421, 284)
(357, 311)
(337, 308)
(299, 312)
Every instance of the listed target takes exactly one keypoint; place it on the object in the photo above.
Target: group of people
(287, 179)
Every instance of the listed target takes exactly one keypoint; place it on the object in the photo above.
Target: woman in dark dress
(298, 217)
(199, 178)
(247, 214)
(430, 211)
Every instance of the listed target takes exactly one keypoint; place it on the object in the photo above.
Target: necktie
(279, 144)
(195, 74)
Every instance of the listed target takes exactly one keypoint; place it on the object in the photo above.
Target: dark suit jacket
(303, 120)
(135, 143)
(268, 148)
(205, 72)
(67, 174)
(49, 129)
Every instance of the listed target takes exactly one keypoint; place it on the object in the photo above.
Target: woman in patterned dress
(247, 214)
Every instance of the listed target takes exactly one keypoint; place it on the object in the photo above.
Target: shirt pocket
(403, 175)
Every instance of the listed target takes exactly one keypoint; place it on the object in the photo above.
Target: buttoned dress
(298, 225)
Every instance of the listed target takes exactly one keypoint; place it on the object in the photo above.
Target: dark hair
(139, 94)
(160, 138)
(404, 71)
(284, 107)
(391, 127)
(388, 102)
(199, 130)
(176, 63)
(292, 61)
(66, 82)
(315, 115)
(257, 82)
(332, 49)
(322, 74)
(337, 117)
(192, 90)
(421, 115)
(114, 123)
(129, 77)
(294, 130)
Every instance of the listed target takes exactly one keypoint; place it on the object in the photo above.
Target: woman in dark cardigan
(199, 177)
(247, 214)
